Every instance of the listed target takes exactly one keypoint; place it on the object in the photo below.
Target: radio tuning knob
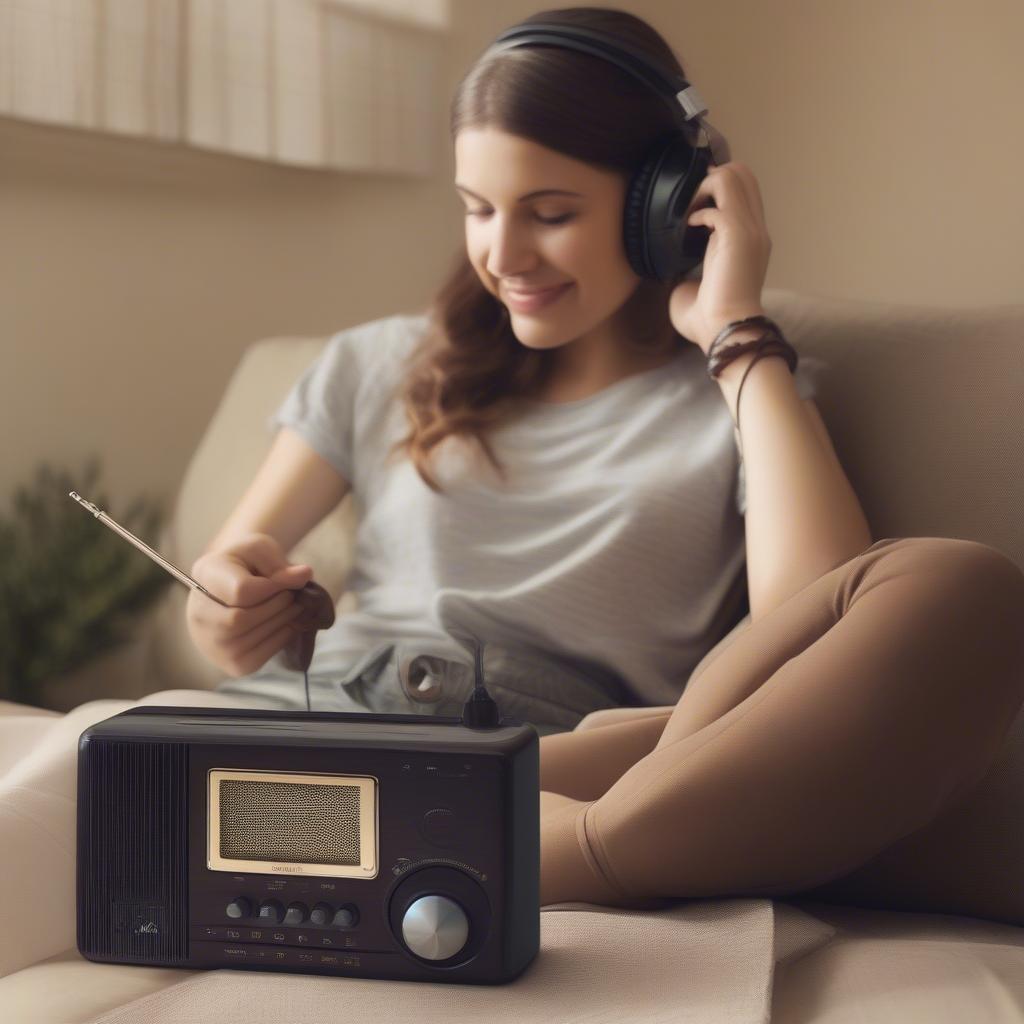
(240, 907)
(271, 911)
(435, 927)
(296, 913)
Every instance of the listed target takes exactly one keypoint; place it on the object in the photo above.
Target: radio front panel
(415, 811)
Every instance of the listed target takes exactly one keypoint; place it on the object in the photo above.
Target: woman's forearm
(803, 517)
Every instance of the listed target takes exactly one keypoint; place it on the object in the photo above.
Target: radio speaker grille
(133, 852)
(291, 822)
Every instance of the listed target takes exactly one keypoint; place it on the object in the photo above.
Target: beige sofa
(923, 406)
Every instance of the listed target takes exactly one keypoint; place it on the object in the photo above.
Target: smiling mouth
(526, 302)
(535, 291)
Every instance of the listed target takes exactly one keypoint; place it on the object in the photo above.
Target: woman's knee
(973, 595)
(983, 580)
(986, 589)
(963, 567)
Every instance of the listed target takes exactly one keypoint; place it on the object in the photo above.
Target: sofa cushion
(829, 963)
(922, 404)
(715, 958)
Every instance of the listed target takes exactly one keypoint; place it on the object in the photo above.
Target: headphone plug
(480, 710)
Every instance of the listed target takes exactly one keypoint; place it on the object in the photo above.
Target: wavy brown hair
(470, 372)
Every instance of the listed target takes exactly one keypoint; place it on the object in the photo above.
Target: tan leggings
(852, 746)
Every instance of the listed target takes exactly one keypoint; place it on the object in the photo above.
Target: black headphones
(658, 242)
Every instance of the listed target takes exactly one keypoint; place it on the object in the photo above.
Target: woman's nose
(510, 251)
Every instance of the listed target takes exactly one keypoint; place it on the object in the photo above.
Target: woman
(559, 492)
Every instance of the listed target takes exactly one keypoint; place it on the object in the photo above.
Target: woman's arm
(803, 517)
(294, 488)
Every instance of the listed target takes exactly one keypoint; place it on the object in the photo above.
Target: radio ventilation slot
(133, 858)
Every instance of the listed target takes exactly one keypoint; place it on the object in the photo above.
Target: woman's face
(518, 241)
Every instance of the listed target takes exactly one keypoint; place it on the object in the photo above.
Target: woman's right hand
(255, 578)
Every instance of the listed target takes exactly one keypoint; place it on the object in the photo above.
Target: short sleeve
(321, 404)
(808, 371)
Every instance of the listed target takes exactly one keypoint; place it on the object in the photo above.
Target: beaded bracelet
(715, 351)
(720, 360)
(770, 343)
(735, 325)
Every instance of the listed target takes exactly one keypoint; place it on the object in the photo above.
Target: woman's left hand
(736, 260)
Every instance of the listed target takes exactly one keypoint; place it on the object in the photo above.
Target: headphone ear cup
(658, 243)
(634, 228)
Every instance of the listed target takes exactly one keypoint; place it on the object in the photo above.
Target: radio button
(321, 914)
(271, 912)
(239, 907)
(346, 917)
(296, 913)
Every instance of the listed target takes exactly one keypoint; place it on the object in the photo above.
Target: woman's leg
(584, 762)
(850, 717)
(583, 765)
(968, 860)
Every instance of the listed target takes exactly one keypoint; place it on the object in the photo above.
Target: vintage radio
(384, 846)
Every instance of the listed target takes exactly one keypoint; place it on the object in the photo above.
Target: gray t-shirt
(618, 537)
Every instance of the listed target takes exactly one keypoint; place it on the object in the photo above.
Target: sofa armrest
(226, 460)
(161, 655)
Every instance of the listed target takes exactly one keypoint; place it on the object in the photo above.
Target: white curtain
(348, 84)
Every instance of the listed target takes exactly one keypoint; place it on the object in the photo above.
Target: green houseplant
(70, 588)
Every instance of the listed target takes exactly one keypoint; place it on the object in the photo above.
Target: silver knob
(435, 927)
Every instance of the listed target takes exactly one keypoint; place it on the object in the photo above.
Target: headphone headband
(670, 84)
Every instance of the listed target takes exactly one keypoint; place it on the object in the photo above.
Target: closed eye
(565, 218)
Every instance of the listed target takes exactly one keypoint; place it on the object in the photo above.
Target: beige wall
(886, 137)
